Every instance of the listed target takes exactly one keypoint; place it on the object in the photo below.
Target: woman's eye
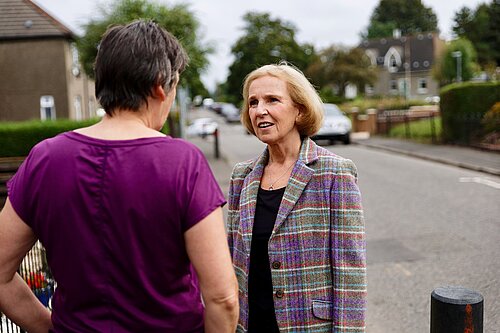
(252, 103)
(274, 99)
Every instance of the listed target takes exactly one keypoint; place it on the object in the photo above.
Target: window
(369, 89)
(47, 108)
(78, 108)
(393, 86)
(422, 86)
(392, 60)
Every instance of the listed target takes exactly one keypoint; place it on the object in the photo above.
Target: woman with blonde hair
(295, 221)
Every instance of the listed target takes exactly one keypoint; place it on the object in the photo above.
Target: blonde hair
(301, 91)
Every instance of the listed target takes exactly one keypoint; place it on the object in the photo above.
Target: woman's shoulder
(335, 163)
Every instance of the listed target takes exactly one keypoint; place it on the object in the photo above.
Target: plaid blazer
(316, 249)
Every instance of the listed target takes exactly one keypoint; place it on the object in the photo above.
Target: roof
(419, 49)
(23, 19)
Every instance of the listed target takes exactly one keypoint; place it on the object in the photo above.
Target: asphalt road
(428, 225)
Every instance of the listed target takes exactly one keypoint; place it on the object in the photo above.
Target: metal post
(458, 55)
(216, 141)
(456, 310)
(433, 128)
(407, 126)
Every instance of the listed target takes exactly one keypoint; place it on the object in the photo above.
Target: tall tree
(177, 19)
(265, 41)
(409, 16)
(481, 26)
(337, 67)
(459, 56)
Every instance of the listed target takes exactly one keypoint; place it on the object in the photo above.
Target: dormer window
(392, 60)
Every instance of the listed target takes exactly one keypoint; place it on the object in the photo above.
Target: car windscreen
(332, 111)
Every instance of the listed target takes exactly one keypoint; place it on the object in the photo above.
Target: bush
(19, 137)
(491, 119)
(463, 106)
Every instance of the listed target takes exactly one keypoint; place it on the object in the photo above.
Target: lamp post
(458, 55)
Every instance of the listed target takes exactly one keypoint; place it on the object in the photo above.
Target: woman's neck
(284, 152)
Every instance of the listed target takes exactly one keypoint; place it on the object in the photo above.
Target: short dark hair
(131, 60)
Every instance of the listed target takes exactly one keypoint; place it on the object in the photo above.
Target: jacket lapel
(301, 175)
(248, 198)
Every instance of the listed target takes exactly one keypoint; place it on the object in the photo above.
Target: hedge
(463, 106)
(17, 138)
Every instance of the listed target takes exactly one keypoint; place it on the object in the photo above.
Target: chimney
(396, 33)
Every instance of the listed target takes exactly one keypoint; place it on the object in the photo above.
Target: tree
(177, 19)
(446, 67)
(265, 41)
(481, 27)
(409, 16)
(337, 67)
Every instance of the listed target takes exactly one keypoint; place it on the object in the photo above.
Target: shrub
(463, 106)
(491, 119)
(19, 137)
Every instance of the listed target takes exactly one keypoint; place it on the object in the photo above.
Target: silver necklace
(271, 187)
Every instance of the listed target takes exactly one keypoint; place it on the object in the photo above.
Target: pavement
(487, 162)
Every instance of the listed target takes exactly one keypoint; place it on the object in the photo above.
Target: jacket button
(279, 293)
(276, 264)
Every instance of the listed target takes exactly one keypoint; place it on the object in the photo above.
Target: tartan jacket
(317, 247)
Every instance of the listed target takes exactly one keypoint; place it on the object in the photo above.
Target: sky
(320, 22)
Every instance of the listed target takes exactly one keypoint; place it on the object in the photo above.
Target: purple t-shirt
(112, 215)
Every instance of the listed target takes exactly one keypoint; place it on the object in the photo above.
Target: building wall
(30, 69)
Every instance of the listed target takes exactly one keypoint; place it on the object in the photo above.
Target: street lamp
(458, 55)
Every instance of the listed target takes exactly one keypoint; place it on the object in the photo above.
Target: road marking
(480, 180)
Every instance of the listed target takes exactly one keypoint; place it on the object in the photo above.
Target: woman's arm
(16, 299)
(208, 251)
(348, 251)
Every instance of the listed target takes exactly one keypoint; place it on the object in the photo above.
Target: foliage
(177, 19)
(463, 106)
(19, 137)
(481, 27)
(364, 104)
(409, 16)
(491, 119)
(445, 68)
(338, 67)
(419, 130)
(265, 41)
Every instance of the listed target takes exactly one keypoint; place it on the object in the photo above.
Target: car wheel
(347, 139)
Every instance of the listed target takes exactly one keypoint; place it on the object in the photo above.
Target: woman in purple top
(130, 218)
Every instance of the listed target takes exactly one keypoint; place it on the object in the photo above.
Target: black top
(260, 287)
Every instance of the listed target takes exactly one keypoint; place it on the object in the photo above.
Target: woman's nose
(261, 109)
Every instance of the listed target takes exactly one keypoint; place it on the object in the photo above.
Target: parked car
(336, 125)
(230, 112)
(202, 127)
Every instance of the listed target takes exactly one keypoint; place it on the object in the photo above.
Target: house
(40, 74)
(405, 65)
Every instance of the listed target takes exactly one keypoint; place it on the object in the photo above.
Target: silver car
(336, 126)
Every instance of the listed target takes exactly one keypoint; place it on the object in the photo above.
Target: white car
(202, 127)
(230, 112)
(336, 125)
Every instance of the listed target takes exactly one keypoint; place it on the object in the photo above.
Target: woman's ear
(159, 92)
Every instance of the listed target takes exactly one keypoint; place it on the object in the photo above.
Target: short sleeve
(20, 188)
(203, 194)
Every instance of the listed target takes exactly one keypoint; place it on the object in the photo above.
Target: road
(428, 225)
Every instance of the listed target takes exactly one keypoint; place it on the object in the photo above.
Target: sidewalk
(467, 158)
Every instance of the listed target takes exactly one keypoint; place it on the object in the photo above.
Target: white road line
(480, 180)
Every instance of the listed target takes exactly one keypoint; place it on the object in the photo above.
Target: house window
(392, 60)
(393, 87)
(422, 86)
(369, 89)
(78, 108)
(47, 108)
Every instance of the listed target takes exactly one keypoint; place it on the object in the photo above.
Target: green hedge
(17, 138)
(463, 106)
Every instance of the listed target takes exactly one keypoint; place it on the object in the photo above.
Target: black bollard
(216, 143)
(456, 310)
